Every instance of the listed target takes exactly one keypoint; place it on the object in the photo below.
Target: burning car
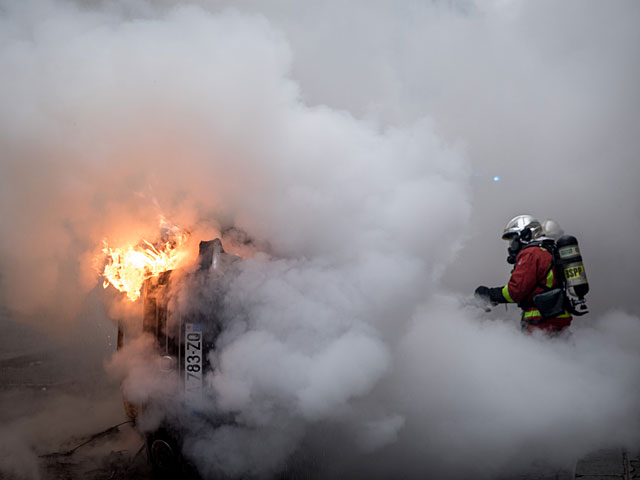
(182, 339)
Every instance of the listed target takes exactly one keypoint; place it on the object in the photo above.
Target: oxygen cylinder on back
(571, 261)
(573, 269)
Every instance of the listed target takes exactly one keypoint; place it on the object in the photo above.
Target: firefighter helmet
(552, 229)
(525, 227)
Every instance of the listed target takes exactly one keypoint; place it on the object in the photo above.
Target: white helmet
(525, 227)
(552, 229)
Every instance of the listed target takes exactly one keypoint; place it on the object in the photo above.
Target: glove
(482, 293)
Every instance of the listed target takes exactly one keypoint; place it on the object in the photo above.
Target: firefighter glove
(482, 293)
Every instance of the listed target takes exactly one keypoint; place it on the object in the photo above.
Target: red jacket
(532, 272)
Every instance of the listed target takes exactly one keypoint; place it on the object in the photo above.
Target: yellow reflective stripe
(536, 313)
(550, 277)
(505, 294)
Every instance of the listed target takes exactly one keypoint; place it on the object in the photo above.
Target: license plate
(193, 361)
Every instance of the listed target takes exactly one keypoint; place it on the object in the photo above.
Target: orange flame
(127, 268)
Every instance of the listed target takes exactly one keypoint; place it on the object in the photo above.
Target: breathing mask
(515, 245)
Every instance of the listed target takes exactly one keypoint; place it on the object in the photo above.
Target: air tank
(571, 261)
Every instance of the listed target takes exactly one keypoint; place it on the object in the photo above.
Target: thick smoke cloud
(356, 145)
(541, 94)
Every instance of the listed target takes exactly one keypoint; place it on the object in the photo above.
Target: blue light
(496, 179)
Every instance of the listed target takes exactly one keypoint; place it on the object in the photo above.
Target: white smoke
(350, 143)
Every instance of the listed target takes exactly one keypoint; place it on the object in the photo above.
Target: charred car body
(182, 339)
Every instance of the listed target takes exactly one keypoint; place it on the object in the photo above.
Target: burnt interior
(155, 301)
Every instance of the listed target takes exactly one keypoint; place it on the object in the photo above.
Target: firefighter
(533, 274)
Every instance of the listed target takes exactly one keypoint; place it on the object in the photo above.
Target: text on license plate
(193, 360)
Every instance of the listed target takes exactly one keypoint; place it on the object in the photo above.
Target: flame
(128, 267)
